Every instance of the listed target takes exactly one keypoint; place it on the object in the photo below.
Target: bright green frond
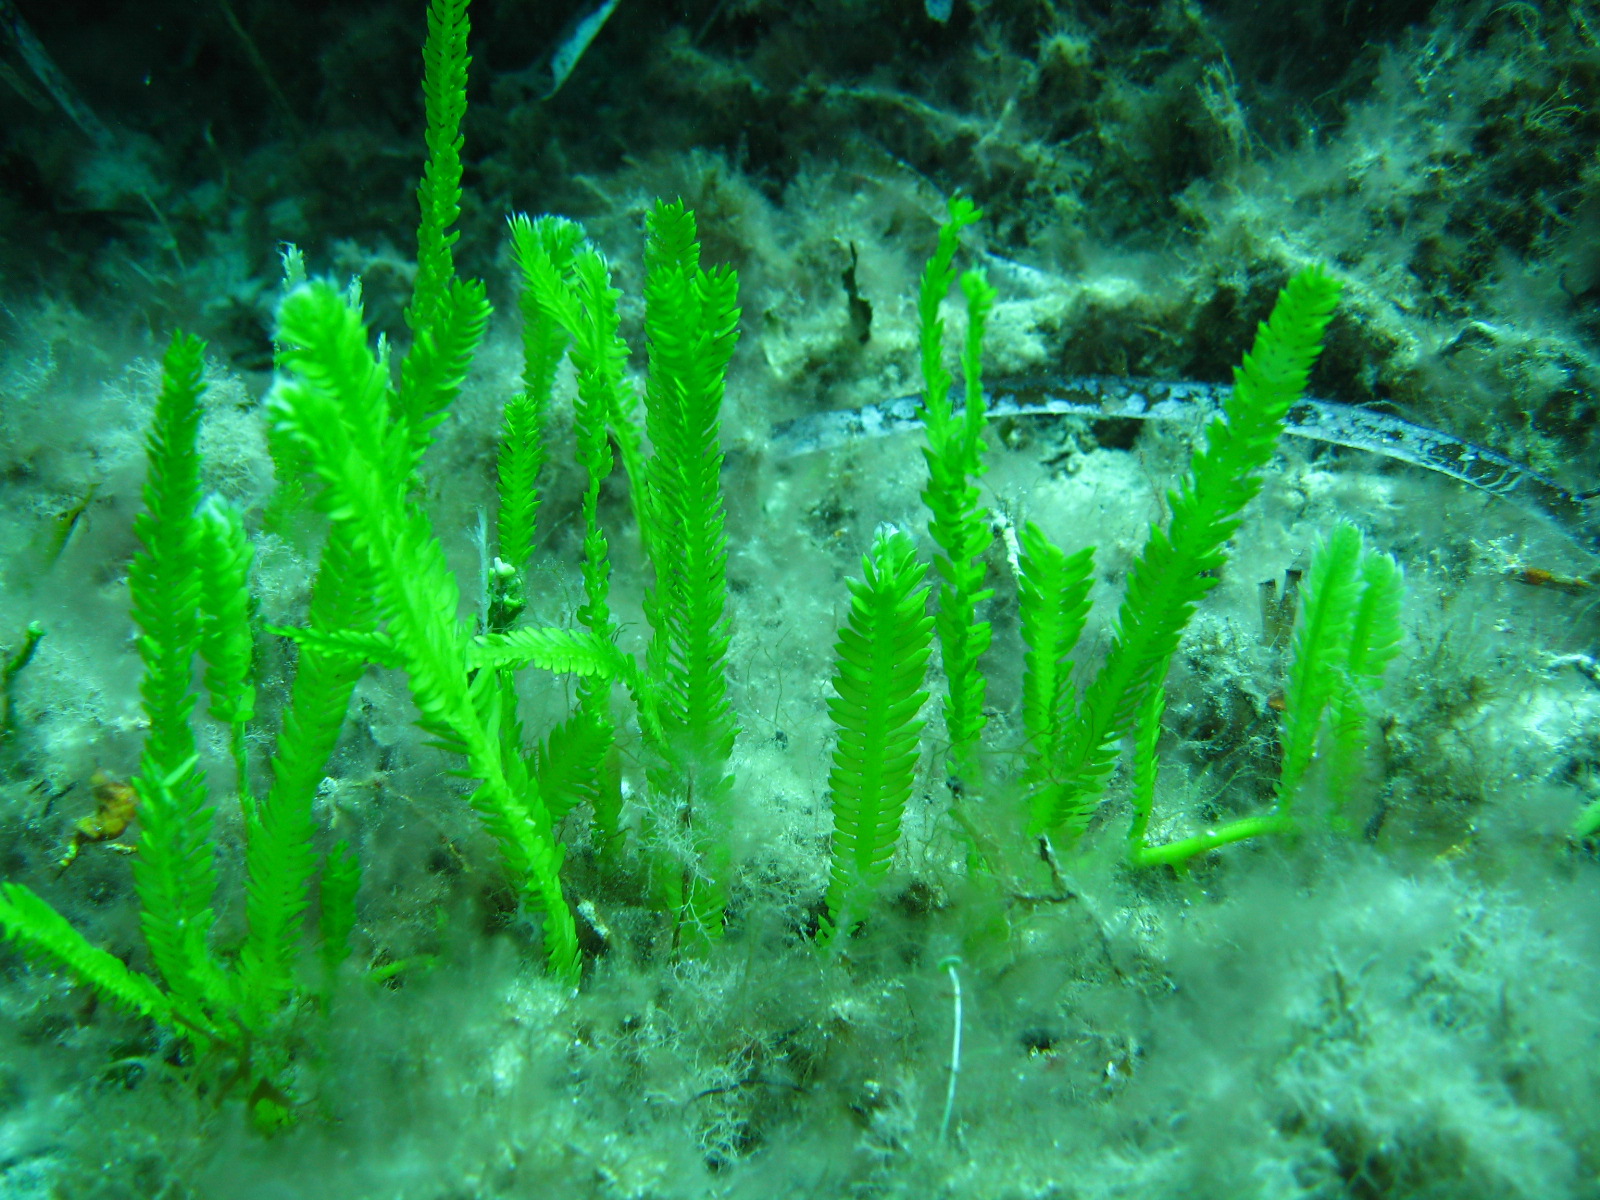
(544, 343)
(226, 644)
(958, 522)
(937, 277)
(568, 651)
(554, 240)
(279, 856)
(671, 248)
(435, 368)
(333, 404)
(164, 578)
(38, 928)
(1147, 734)
(341, 880)
(691, 328)
(568, 281)
(173, 872)
(1053, 603)
(570, 765)
(517, 473)
(1321, 644)
(444, 93)
(1375, 633)
(1176, 568)
(882, 657)
(357, 646)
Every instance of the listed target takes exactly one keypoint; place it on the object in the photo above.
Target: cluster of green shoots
(349, 432)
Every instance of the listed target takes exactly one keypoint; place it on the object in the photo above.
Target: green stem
(1178, 853)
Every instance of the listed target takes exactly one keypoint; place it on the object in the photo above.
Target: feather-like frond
(882, 657)
(1174, 572)
(1053, 603)
(173, 873)
(38, 928)
(227, 643)
(691, 327)
(570, 765)
(358, 646)
(435, 368)
(444, 96)
(225, 638)
(341, 880)
(517, 475)
(280, 854)
(1321, 644)
(563, 651)
(544, 343)
(1375, 634)
(958, 521)
(334, 403)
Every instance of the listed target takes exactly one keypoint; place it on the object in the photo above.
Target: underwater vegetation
(1018, 852)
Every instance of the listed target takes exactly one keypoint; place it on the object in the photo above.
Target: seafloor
(1411, 1010)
